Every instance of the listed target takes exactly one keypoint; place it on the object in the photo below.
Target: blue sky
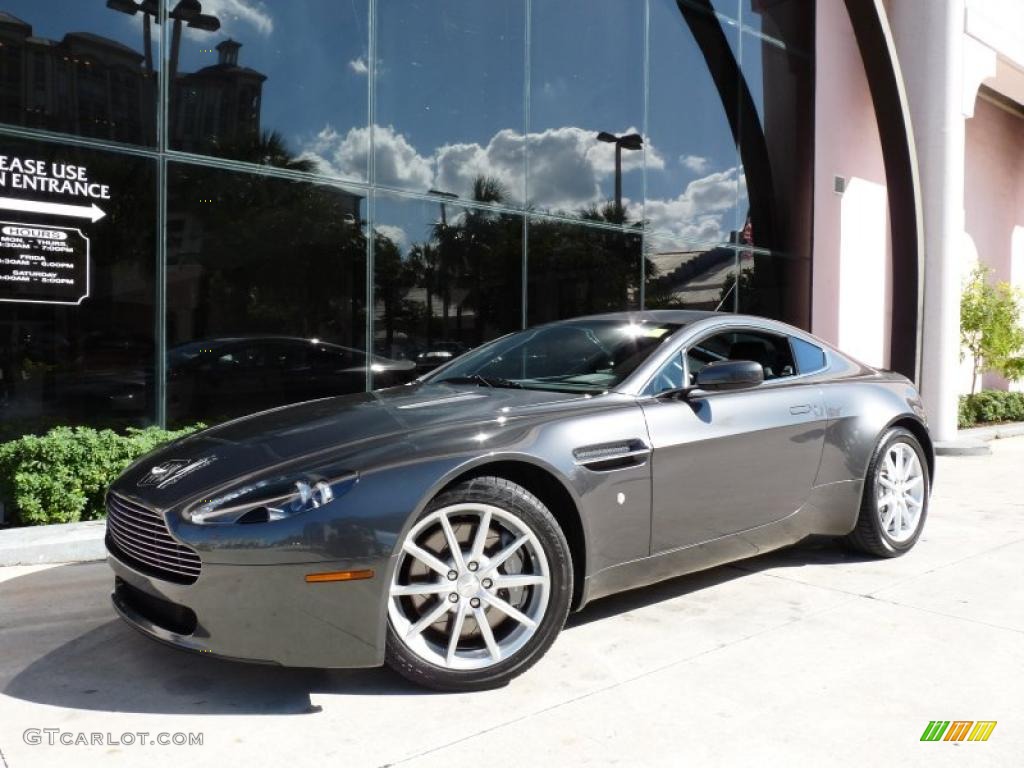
(451, 95)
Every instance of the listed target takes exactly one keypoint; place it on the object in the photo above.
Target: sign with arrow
(92, 212)
(46, 261)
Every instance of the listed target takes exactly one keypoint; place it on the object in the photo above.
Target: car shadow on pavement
(62, 646)
(814, 550)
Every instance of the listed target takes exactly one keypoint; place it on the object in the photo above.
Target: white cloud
(702, 212)
(251, 12)
(567, 165)
(695, 163)
(359, 66)
(395, 234)
(567, 170)
(398, 163)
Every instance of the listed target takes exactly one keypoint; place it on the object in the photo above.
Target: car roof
(675, 316)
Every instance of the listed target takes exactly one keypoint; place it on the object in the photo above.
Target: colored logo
(958, 730)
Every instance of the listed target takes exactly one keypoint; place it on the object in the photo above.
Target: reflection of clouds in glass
(252, 12)
(695, 163)
(698, 214)
(395, 234)
(359, 66)
(567, 167)
(345, 155)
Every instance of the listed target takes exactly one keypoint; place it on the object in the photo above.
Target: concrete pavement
(802, 657)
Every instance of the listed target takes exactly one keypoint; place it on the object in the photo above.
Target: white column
(929, 42)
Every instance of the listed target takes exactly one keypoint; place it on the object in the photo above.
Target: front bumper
(263, 613)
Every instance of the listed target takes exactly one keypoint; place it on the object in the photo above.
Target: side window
(669, 377)
(771, 351)
(809, 357)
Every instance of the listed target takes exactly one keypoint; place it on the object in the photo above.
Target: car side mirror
(726, 375)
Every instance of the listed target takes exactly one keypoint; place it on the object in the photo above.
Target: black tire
(869, 536)
(513, 498)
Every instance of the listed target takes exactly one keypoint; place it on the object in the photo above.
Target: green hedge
(990, 406)
(62, 476)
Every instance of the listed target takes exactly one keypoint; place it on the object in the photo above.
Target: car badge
(170, 472)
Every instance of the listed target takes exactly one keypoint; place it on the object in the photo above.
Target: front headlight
(273, 498)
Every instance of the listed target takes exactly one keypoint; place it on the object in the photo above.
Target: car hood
(351, 428)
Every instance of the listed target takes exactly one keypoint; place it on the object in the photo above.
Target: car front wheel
(481, 587)
(895, 502)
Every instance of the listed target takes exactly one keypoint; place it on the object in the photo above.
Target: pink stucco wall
(994, 195)
(852, 255)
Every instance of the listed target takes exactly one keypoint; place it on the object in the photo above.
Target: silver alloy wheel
(900, 492)
(470, 587)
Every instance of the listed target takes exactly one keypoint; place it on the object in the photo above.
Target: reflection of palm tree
(467, 251)
(269, 148)
(424, 263)
(393, 277)
(606, 213)
(487, 189)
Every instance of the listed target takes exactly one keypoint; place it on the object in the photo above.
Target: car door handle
(797, 410)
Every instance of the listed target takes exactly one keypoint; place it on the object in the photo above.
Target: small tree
(990, 329)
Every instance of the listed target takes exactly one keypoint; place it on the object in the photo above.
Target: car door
(725, 462)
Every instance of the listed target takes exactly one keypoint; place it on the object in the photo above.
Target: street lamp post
(446, 196)
(631, 141)
(189, 12)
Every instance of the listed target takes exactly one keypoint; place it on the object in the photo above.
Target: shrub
(62, 476)
(990, 406)
(990, 329)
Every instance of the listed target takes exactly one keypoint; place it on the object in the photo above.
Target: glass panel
(265, 293)
(582, 355)
(729, 9)
(777, 147)
(790, 22)
(449, 99)
(587, 79)
(682, 275)
(774, 286)
(76, 295)
(280, 84)
(770, 351)
(80, 68)
(447, 278)
(575, 269)
(694, 176)
(809, 358)
(669, 377)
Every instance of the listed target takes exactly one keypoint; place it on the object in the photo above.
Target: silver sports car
(447, 526)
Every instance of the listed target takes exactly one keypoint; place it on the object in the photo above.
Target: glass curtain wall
(257, 203)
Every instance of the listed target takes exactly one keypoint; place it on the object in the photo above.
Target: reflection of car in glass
(438, 354)
(448, 526)
(217, 378)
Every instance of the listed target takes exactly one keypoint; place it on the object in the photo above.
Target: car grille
(140, 538)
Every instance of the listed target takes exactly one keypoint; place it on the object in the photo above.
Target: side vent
(605, 457)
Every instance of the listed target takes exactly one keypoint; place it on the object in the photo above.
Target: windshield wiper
(484, 381)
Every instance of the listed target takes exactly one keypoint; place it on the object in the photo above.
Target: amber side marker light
(315, 578)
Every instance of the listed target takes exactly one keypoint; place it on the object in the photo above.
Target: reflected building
(217, 106)
(84, 84)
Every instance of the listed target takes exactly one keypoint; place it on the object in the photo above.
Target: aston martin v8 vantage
(447, 527)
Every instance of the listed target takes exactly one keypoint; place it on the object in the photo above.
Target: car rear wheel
(895, 501)
(481, 588)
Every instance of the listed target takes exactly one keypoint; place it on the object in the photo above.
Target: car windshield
(579, 356)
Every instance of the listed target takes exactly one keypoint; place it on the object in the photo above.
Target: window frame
(686, 344)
